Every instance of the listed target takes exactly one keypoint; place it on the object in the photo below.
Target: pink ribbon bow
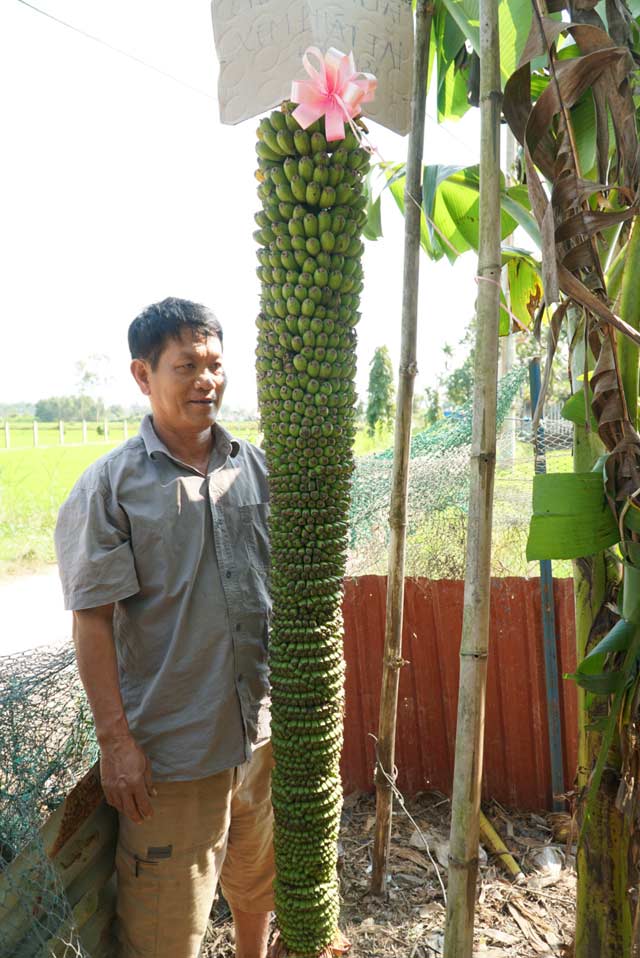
(335, 91)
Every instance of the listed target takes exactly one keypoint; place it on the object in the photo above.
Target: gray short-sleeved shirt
(185, 559)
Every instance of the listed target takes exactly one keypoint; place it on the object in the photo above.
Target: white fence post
(125, 430)
(7, 435)
(106, 430)
(84, 431)
(61, 431)
(35, 432)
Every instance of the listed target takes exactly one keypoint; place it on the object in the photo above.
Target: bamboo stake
(465, 811)
(385, 748)
(494, 844)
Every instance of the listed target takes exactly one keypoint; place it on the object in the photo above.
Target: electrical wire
(114, 49)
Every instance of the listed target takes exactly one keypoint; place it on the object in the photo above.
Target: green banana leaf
(617, 640)
(574, 410)
(591, 674)
(525, 284)
(432, 177)
(626, 672)
(451, 66)
(450, 226)
(602, 683)
(515, 21)
(373, 226)
(571, 517)
(451, 207)
(457, 212)
(515, 202)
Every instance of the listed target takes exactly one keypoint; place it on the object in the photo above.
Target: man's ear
(140, 372)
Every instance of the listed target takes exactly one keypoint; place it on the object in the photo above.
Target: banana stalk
(311, 278)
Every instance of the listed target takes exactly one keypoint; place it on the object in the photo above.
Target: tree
(380, 404)
(459, 384)
(93, 375)
(433, 408)
(69, 408)
(76, 408)
(16, 410)
(596, 73)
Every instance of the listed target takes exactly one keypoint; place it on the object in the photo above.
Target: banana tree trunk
(603, 917)
(630, 312)
(604, 908)
(465, 812)
(589, 572)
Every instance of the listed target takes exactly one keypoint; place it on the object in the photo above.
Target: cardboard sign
(260, 44)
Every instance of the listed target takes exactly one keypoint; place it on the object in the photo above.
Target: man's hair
(149, 332)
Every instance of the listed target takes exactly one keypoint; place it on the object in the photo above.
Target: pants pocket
(138, 905)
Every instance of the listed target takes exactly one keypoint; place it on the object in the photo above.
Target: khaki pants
(168, 868)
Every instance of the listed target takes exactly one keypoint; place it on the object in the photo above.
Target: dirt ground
(530, 918)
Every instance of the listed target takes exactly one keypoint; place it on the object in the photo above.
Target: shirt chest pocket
(247, 527)
(247, 531)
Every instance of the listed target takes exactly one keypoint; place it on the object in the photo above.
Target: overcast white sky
(119, 186)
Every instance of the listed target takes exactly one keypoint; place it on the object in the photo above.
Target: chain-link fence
(439, 491)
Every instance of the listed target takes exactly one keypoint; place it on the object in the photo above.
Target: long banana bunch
(313, 211)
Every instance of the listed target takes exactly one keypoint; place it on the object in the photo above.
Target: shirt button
(228, 574)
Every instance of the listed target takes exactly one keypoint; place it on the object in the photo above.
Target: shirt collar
(225, 444)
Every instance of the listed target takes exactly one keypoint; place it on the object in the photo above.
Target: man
(163, 553)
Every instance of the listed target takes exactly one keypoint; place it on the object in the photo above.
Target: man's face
(187, 385)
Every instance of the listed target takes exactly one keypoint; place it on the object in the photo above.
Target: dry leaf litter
(532, 918)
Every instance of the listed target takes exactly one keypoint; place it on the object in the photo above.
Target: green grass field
(34, 482)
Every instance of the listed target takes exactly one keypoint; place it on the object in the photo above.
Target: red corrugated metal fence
(516, 764)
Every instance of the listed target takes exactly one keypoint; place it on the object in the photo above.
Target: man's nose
(206, 380)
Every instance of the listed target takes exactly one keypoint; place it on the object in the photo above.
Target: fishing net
(46, 734)
(46, 745)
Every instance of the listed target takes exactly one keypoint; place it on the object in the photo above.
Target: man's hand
(124, 768)
(125, 773)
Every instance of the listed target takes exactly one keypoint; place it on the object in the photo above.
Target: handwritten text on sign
(260, 45)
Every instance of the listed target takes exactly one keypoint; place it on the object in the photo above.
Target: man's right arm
(125, 771)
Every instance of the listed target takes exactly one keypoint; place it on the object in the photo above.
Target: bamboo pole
(507, 445)
(385, 749)
(465, 811)
(494, 844)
